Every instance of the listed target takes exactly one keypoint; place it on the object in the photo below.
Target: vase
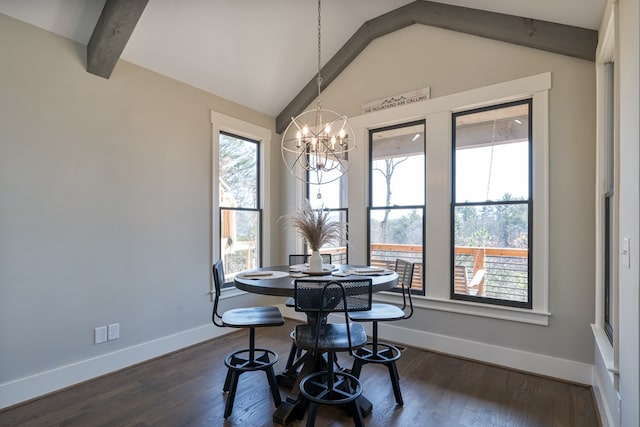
(315, 262)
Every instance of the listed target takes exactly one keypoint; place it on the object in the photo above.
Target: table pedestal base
(294, 406)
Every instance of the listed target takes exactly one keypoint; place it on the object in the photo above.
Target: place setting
(262, 274)
(302, 270)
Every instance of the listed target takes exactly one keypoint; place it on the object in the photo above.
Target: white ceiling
(258, 53)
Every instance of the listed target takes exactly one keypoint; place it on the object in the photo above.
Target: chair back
(324, 297)
(218, 280)
(405, 271)
(302, 258)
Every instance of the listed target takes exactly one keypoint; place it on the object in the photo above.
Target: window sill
(604, 347)
(471, 309)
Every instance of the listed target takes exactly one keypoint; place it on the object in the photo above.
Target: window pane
(491, 242)
(608, 270)
(239, 245)
(397, 233)
(608, 95)
(332, 195)
(492, 155)
(238, 169)
(338, 250)
(397, 166)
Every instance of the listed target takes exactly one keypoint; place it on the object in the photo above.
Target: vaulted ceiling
(257, 53)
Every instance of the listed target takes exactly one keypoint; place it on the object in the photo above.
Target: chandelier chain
(319, 51)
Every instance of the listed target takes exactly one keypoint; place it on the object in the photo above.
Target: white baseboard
(27, 388)
(555, 367)
(539, 364)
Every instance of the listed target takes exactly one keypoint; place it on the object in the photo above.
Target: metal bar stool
(384, 353)
(249, 359)
(326, 385)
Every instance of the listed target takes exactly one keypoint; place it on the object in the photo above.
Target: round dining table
(279, 281)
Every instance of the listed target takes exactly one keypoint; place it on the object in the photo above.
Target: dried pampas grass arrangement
(315, 227)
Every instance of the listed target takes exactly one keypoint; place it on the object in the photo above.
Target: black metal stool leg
(311, 414)
(232, 394)
(356, 414)
(227, 381)
(356, 368)
(395, 382)
(273, 385)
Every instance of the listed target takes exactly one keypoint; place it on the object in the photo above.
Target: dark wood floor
(185, 389)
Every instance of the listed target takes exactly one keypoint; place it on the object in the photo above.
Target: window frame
(437, 113)
(529, 202)
(256, 209)
(421, 207)
(262, 137)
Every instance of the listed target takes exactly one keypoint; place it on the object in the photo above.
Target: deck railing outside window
(505, 268)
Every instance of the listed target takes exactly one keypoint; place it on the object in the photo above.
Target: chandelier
(316, 143)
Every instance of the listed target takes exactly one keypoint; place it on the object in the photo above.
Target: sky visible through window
(475, 172)
(479, 178)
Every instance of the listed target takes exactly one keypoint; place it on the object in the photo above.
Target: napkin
(257, 274)
(298, 274)
(369, 270)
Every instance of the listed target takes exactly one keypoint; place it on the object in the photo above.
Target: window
(397, 196)
(238, 194)
(431, 186)
(606, 327)
(608, 199)
(239, 200)
(491, 209)
(332, 196)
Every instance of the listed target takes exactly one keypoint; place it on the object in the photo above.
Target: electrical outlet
(113, 331)
(99, 334)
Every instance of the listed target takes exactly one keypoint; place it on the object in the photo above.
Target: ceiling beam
(557, 38)
(111, 34)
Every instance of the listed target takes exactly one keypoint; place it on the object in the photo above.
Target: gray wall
(451, 62)
(105, 203)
